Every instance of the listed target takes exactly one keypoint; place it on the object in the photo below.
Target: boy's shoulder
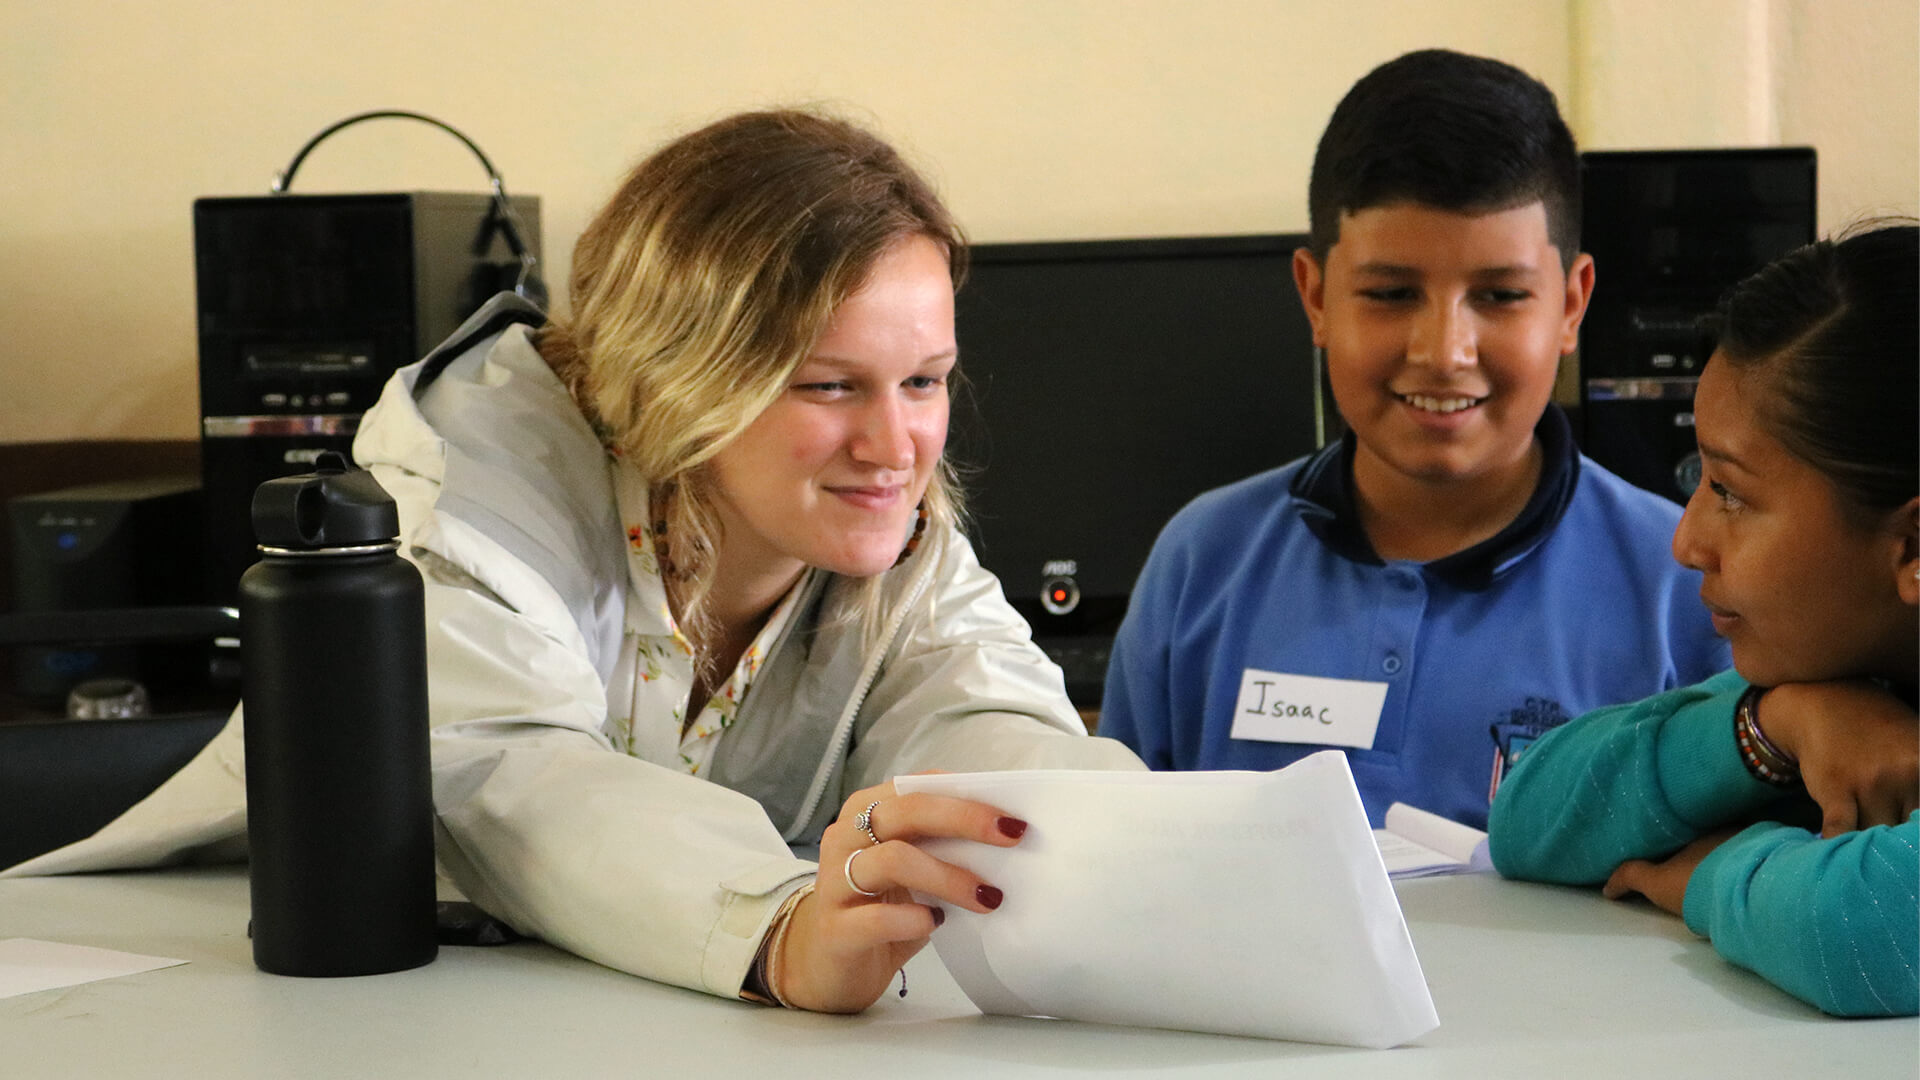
(1235, 510)
(1604, 498)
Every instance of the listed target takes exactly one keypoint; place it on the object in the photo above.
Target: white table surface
(1529, 980)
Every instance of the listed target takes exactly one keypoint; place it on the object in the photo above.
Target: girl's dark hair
(1833, 328)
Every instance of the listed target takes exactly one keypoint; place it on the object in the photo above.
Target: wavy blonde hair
(707, 280)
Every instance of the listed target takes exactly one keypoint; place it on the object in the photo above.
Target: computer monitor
(1107, 383)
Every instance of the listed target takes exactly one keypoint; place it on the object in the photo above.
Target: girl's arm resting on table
(1834, 922)
(1626, 782)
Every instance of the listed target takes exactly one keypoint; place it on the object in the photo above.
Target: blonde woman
(695, 589)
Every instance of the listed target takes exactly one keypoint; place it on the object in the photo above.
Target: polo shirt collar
(1323, 489)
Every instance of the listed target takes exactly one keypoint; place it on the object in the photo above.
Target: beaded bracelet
(1763, 759)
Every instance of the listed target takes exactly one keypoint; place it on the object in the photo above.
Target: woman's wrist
(1763, 756)
(763, 977)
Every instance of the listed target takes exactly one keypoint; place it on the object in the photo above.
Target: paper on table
(1233, 902)
(1416, 843)
(27, 965)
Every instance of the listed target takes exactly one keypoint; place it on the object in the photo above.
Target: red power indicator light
(1059, 595)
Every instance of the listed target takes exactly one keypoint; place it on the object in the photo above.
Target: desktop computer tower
(1669, 231)
(307, 303)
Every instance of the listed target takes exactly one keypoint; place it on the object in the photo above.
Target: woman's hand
(842, 947)
(1858, 748)
(1664, 882)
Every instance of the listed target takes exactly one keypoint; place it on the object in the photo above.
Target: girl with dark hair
(1774, 807)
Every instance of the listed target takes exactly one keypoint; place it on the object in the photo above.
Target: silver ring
(848, 871)
(864, 822)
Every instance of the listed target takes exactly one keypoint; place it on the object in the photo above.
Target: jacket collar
(518, 463)
(499, 312)
(1324, 490)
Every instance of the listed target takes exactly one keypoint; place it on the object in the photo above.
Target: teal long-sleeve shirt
(1834, 922)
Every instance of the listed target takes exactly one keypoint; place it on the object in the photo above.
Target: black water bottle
(339, 808)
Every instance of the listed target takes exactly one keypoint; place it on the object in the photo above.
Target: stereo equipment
(1110, 382)
(1669, 231)
(307, 303)
(123, 544)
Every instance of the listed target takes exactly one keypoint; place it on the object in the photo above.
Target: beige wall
(1842, 76)
(1039, 118)
(1849, 83)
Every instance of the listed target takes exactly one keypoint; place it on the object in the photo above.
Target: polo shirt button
(1391, 665)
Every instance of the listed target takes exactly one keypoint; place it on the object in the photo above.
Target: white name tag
(1307, 709)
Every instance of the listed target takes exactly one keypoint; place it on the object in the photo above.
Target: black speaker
(1669, 231)
(307, 303)
(123, 544)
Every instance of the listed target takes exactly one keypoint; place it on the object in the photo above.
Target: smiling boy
(1452, 578)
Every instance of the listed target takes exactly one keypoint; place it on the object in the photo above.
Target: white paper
(28, 965)
(1418, 843)
(1234, 902)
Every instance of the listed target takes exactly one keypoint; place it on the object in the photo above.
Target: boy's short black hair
(1450, 131)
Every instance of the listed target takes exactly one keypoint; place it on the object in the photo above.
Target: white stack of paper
(1418, 843)
(1233, 902)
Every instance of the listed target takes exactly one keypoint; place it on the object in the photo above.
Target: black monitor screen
(1109, 382)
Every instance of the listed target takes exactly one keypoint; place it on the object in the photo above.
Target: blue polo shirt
(1574, 605)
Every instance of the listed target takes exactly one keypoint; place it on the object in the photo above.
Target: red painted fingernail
(939, 916)
(988, 896)
(1012, 827)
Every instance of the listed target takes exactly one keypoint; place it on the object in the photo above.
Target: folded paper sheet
(1232, 902)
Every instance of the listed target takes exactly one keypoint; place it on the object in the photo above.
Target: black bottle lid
(334, 506)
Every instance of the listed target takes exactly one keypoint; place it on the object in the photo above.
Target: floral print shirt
(647, 696)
